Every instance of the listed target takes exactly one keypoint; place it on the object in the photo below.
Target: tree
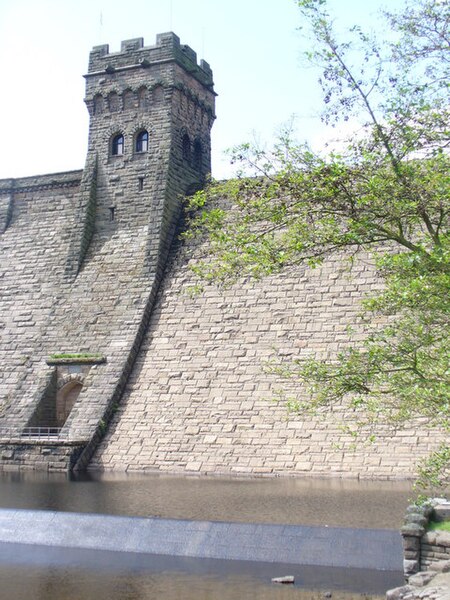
(387, 191)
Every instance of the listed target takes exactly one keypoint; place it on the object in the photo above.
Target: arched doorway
(65, 399)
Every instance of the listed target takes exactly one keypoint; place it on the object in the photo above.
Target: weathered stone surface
(440, 566)
(417, 518)
(435, 547)
(426, 562)
(411, 566)
(436, 589)
(219, 342)
(422, 578)
(441, 511)
(40, 455)
(411, 543)
(443, 538)
(399, 593)
(413, 529)
(430, 537)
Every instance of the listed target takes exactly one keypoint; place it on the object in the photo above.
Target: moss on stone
(76, 358)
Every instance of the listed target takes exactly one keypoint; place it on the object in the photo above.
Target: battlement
(133, 54)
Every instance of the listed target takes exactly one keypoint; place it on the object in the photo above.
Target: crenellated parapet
(142, 79)
(134, 55)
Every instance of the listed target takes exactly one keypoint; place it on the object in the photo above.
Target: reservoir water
(38, 573)
(333, 502)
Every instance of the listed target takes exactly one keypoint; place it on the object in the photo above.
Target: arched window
(198, 154)
(186, 148)
(142, 141)
(117, 145)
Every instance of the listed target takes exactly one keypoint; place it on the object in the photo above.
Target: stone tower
(151, 110)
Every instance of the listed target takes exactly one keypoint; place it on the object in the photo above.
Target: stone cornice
(41, 182)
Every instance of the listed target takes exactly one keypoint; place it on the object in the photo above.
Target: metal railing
(17, 434)
(35, 433)
(41, 433)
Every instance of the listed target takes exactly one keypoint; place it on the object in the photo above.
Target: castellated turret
(151, 108)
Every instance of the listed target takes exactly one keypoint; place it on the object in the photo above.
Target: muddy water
(341, 503)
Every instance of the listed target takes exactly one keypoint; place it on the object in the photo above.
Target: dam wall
(200, 399)
(110, 362)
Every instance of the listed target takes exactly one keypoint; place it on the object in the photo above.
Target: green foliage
(387, 191)
(441, 526)
(76, 355)
(102, 427)
(434, 472)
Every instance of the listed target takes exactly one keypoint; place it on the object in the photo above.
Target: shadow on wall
(65, 401)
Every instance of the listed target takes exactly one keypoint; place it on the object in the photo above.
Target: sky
(253, 46)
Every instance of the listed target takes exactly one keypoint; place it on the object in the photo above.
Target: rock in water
(285, 579)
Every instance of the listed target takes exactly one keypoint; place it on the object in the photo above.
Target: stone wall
(39, 455)
(199, 400)
(426, 553)
(33, 249)
(422, 546)
(435, 546)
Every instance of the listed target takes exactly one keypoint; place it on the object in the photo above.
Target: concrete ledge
(375, 549)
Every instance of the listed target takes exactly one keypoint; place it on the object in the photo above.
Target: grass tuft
(441, 526)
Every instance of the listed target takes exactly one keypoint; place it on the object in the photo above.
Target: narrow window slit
(111, 213)
(140, 183)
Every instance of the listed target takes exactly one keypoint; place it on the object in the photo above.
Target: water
(333, 502)
(39, 573)
(85, 585)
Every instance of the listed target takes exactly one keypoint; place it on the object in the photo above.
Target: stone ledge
(436, 587)
(26, 441)
(41, 182)
(437, 538)
(442, 511)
